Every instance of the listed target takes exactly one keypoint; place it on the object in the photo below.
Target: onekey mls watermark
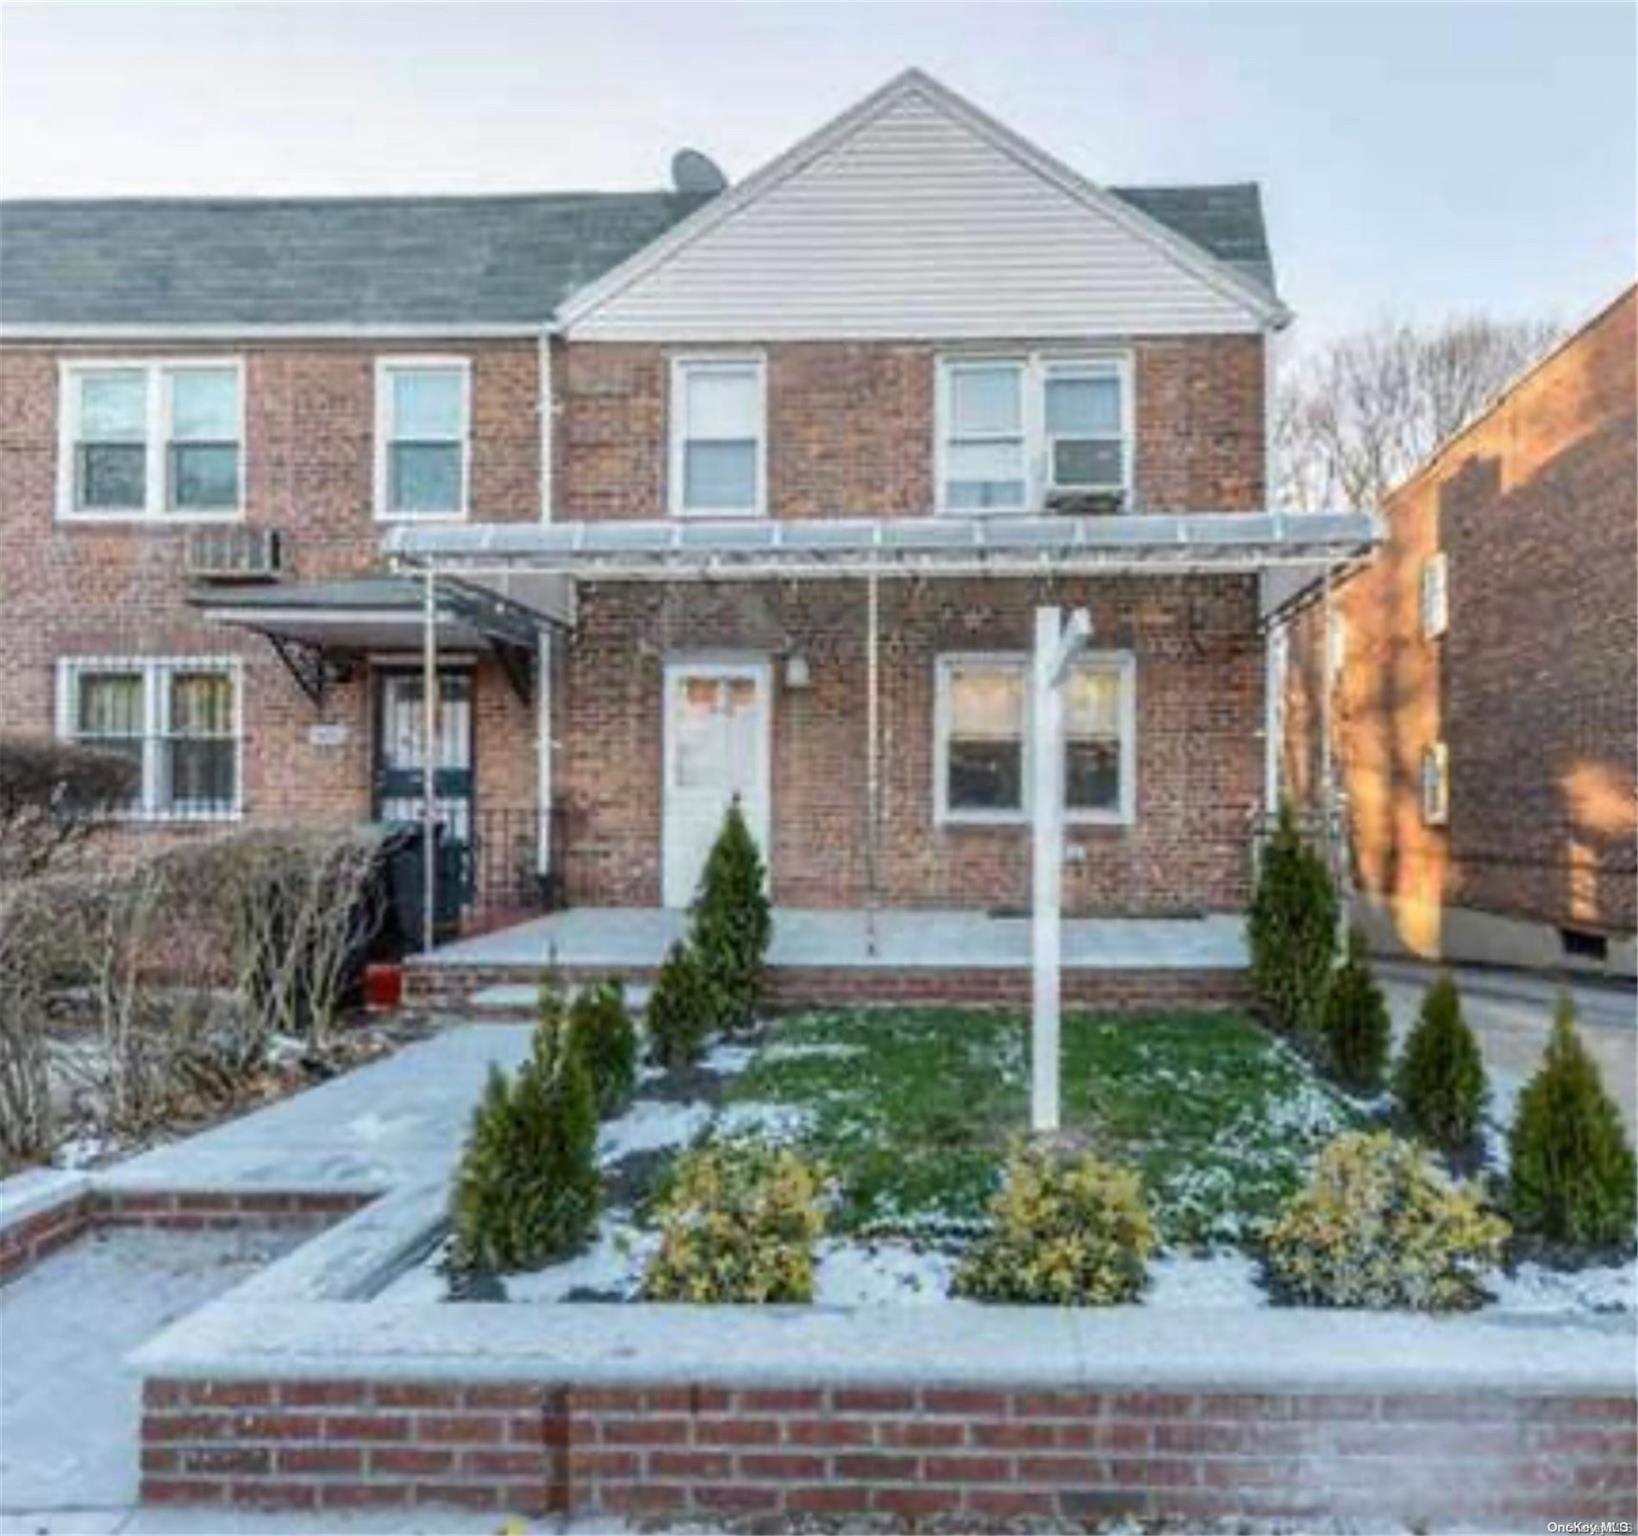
(1590, 1527)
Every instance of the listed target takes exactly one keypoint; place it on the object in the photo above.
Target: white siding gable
(914, 223)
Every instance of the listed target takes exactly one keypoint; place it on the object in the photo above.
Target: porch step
(517, 999)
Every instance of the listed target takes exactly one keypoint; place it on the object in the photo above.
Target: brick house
(746, 490)
(1484, 709)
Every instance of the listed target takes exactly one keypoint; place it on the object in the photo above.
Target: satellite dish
(692, 171)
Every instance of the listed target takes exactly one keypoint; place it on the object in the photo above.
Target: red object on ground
(383, 986)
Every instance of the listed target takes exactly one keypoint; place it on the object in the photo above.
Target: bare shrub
(54, 795)
(27, 1112)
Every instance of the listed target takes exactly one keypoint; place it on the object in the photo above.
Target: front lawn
(912, 1109)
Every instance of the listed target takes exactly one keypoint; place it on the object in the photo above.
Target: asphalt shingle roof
(385, 261)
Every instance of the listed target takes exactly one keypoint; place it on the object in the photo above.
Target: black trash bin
(404, 870)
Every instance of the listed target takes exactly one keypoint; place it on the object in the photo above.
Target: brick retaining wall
(26, 1241)
(450, 987)
(1491, 1459)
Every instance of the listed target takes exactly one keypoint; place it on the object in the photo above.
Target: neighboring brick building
(850, 336)
(1485, 713)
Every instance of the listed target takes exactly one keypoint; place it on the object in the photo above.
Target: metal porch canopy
(318, 629)
(997, 545)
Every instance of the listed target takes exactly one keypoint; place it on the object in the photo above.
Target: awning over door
(321, 629)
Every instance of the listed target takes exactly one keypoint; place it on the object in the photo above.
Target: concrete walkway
(640, 936)
(1512, 1014)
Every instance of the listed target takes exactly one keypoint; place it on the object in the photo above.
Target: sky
(1416, 160)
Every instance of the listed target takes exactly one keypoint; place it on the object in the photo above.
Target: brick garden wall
(1534, 687)
(1488, 1460)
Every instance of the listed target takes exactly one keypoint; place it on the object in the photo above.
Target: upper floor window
(177, 718)
(718, 437)
(1015, 431)
(984, 739)
(162, 439)
(423, 409)
(1435, 595)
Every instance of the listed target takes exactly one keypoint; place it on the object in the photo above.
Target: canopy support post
(429, 755)
(873, 788)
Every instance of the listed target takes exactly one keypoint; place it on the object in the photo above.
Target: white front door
(716, 747)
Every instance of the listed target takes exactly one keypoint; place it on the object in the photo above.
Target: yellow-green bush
(1068, 1230)
(1379, 1225)
(738, 1223)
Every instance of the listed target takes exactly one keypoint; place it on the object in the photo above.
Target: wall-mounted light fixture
(796, 671)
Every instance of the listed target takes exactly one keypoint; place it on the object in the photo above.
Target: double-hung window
(1014, 432)
(423, 408)
(177, 718)
(984, 739)
(718, 437)
(160, 440)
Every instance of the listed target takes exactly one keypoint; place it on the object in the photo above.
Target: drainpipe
(872, 753)
(429, 743)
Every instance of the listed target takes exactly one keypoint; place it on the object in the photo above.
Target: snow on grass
(805, 1050)
(1532, 1287)
(775, 1124)
(651, 1124)
(865, 1274)
(611, 1269)
(1217, 1280)
(729, 1058)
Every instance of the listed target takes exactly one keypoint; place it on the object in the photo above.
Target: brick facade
(1534, 687)
(980, 1454)
(1199, 701)
(70, 589)
(850, 432)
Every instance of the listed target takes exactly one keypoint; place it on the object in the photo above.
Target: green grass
(912, 1110)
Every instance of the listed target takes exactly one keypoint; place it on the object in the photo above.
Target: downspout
(429, 754)
(872, 754)
(543, 659)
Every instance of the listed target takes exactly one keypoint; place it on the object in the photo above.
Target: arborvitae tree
(733, 922)
(481, 1214)
(1292, 928)
(1572, 1180)
(527, 1188)
(1357, 1028)
(1440, 1077)
(607, 1039)
(679, 1011)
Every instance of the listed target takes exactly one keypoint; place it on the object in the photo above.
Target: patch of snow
(81, 1151)
(613, 1265)
(1534, 1287)
(729, 1058)
(372, 1127)
(776, 1124)
(1219, 1280)
(803, 1050)
(851, 1273)
(649, 1125)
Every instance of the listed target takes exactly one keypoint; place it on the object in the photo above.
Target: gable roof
(342, 262)
(1214, 233)
(512, 262)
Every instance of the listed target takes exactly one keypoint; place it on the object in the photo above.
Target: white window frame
(1435, 785)
(385, 368)
(156, 672)
(681, 365)
(156, 439)
(1037, 368)
(1435, 595)
(1123, 663)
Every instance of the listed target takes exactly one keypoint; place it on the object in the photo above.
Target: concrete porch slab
(638, 937)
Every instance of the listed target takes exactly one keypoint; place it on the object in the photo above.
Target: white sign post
(1056, 646)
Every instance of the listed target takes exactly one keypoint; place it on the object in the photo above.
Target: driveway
(1512, 1013)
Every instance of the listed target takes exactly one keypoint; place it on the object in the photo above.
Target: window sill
(382, 516)
(1020, 821)
(147, 519)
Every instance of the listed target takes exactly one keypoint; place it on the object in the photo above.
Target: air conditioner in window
(235, 552)
(1077, 481)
